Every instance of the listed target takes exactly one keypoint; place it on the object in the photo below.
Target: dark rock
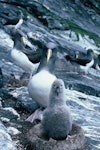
(75, 141)
(9, 70)
(24, 102)
(92, 4)
(9, 113)
(6, 98)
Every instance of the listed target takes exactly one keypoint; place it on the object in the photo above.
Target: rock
(24, 102)
(73, 25)
(6, 142)
(77, 80)
(13, 131)
(9, 113)
(92, 3)
(76, 140)
(6, 98)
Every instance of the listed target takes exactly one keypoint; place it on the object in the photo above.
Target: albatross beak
(49, 54)
(23, 41)
(76, 54)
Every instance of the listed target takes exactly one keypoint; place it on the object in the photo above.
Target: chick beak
(49, 54)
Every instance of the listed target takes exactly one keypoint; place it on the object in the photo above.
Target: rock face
(75, 141)
(73, 25)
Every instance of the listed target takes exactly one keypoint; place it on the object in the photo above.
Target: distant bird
(16, 22)
(34, 55)
(1, 78)
(57, 119)
(85, 61)
(20, 55)
(97, 63)
(40, 84)
(36, 50)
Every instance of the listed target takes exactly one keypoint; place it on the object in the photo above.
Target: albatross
(20, 54)
(40, 84)
(85, 61)
(97, 62)
(57, 119)
(16, 22)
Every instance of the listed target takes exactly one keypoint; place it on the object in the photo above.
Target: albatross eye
(54, 86)
(61, 86)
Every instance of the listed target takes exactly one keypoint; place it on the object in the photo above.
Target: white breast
(39, 87)
(88, 65)
(97, 67)
(19, 24)
(22, 61)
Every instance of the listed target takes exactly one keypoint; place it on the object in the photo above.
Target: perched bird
(84, 60)
(97, 63)
(36, 50)
(34, 54)
(20, 54)
(1, 78)
(16, 22)
(40, 84)
(57, 120)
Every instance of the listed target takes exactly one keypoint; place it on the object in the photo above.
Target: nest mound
(76, 140)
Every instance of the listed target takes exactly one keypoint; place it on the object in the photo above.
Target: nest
(74, 141)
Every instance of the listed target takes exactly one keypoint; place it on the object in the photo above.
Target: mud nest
(75, 141)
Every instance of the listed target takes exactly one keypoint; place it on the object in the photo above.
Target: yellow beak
(49, 54)
(23, 40)
(77, 55)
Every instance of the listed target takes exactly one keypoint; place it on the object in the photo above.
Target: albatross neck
(50, 65)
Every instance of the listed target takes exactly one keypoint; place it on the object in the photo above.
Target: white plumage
(39, 87)
(20, 59)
